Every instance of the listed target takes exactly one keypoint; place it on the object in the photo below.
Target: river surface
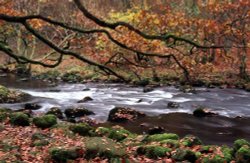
(230, 104)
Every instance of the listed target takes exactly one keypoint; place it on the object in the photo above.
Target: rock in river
(203, 112)
(12, 96)
(77, 112)
(121, 114)
(85, 99)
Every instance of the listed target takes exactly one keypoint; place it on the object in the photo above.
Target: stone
(121, 114)
(160, 137)
(56, 111)
(82, 129)
(173, 105)
(45, 121)
(85, 99)
(190, 141)
(32, 106)
(156, 130)
(147, 89)
(153, 151)
(19, 119)
(77, 112)
(64, 155)
(184, 155)
(12, 96)
(203, 112)
(103, 147)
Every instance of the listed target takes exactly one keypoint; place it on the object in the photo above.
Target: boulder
(243, 154)
(45, 121)
(187, 89)
(82, 129)
(77, 112)
(147, 89)
(153, 151)
(156, 130)
(85, 99)
(64, 155)
(173, 105)
(103, 147)
(184, 155)
(121, 114)
(12, 96)
(190, 141)
(32, 106)
(19, 119)
(161, 137)
(203, 112)
(56, 111)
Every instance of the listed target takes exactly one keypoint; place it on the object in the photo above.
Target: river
(232, 105)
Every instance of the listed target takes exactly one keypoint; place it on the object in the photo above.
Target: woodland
(151, 45)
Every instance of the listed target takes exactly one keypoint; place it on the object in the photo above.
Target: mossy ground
(66, 142)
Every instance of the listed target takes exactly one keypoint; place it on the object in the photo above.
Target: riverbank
(42, 139)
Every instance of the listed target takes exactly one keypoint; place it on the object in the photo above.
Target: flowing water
(229, 103)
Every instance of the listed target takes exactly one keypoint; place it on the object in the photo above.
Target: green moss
(64, 155)
(153, 151)
(239, 143)
(56, 111)
(227, 152)
(82, 129)
(171, 143)
(160, 137)
(184, 155)
(190, 141)
(3, 92)
(103, 131)
(119, 134)
(103, 147)
(213, 159)
(243, 154)
(19, 119)
(45, 121)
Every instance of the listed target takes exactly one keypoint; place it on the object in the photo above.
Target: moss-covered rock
(103, 131)
(153, 151)
(213, 159)
(239, 143)
(4, 114)
(227, 153)
(243, 154)
(170, 143)
(55, 111)
(119, 134)
(82, 129)
(11, 96)
(184, 155)
(19, 119)
(161, 137)
(121, 114)
(77, 112)
(103, 147)
(72, 77)
(45, 121)
(64, 155)
(190, 141)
